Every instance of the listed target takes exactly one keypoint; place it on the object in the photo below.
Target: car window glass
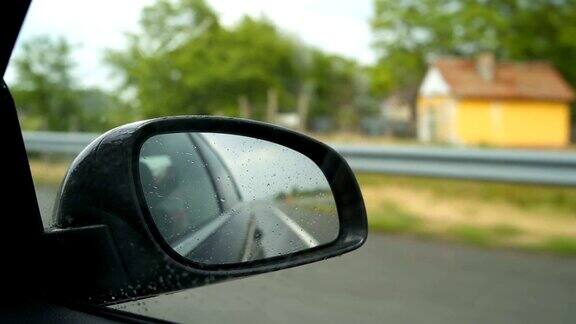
(410, 91)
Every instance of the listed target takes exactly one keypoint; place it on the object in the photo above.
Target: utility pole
(244, 107)
(303, 104)
(272, 106)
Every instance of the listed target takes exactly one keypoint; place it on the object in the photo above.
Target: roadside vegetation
(479, 213)
(48, 172)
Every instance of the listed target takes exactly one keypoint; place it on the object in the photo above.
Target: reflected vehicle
(225, 199)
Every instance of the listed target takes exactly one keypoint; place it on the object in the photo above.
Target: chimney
(485, 66)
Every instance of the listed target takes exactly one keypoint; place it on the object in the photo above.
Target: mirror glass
(222, 198)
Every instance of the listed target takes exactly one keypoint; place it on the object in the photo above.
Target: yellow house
(480, 101)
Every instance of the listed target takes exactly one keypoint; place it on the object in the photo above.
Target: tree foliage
(410, 32)
(44, 89)
(48, 93)
(183, 61)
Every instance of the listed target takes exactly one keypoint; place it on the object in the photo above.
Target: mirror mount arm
(84, 264)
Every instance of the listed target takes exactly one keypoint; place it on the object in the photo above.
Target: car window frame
(213, 162)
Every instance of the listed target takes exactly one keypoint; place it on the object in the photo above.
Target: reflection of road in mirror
(221, 199)
(264, 229)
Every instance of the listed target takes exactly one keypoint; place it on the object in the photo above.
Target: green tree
(412, 31)
(50, 98)
(183, 61)
(44, 89)
(341, 90)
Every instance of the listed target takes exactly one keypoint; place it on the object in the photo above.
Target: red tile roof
(529, 80)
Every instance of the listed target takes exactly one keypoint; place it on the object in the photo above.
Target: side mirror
(181, 202)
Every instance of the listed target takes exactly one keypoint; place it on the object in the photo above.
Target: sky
(263, 169)
(336, 26)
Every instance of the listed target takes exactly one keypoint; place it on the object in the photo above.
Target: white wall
(434, 84)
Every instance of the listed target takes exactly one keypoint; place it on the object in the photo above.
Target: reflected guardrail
(524, 166)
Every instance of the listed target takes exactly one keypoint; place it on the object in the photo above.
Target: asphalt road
(390, 279)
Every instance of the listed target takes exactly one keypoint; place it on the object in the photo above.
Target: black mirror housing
(101, 194)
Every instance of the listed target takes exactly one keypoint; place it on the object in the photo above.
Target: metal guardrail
(56, 142)
(538, 167)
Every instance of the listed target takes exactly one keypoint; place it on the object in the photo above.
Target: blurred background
(458, 117)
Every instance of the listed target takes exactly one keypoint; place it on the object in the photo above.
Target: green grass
(392, 219)
(318, 207)
(545, 202)
(505, 231)
(471, 235)
(529, 197)
(560, 245)
(490, 236)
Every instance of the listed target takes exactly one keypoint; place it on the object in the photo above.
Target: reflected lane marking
(188, 245)
(308, 239)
